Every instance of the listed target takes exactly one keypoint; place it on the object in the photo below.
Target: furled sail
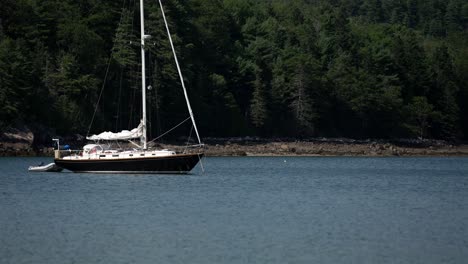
(123, 135)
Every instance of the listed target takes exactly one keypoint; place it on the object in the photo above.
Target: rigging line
(188, 139)
(149, 113)
(170, 130)
(122, 11)
(201, 164)
(105, 79)
(122, 18)
(132, 71)
(118, 100)
(100, 94)
(180, 73)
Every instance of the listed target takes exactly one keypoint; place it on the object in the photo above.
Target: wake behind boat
(102, 158)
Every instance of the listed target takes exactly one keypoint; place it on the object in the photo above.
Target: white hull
(52, 167)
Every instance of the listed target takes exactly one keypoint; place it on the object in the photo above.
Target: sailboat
(101, 158)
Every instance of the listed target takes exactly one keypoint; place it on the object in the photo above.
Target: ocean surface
(241, 210)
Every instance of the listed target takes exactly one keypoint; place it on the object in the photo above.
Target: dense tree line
(301, 68)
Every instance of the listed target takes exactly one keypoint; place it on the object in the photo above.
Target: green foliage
(16, 90)
(354, 68)
(372, 9)
(444, 91)
(258, 107)
(420, 116)
(8, 97)
(123, 51)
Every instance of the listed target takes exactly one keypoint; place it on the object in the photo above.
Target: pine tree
(258, 107)
(420, 114)
(409, 62)
(444, 92)
(373, 10)
(453, 18)
(9, 105)
(412, 13)
(123, 51)
(301, 104)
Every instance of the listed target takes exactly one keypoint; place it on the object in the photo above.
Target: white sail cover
(122, 135)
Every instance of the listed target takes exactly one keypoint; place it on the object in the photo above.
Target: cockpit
(92, 149)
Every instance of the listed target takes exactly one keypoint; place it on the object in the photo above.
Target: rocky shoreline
(307, 148)
(281, 147)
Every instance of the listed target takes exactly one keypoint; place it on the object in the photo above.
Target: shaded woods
(302, 68)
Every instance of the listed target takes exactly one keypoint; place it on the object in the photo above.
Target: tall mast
(143, 77)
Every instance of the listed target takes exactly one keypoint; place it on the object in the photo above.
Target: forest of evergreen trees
(270, 68)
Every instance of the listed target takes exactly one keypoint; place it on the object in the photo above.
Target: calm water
(242, 210)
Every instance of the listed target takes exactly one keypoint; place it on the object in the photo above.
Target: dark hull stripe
(170, 164)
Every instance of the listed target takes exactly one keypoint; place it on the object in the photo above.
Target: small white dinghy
(52, 167)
